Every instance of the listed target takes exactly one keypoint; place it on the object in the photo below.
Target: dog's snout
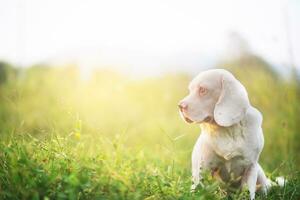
(182, 106)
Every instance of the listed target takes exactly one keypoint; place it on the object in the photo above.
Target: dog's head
(215, 96)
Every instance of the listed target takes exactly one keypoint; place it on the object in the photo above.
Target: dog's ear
(232, 103)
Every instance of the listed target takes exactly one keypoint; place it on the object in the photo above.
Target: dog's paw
(194, 186)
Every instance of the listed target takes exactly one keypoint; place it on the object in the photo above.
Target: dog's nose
(182, 106)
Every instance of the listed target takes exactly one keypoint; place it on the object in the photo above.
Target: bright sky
(144, 36)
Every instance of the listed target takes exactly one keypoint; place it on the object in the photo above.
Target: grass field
(112, 137)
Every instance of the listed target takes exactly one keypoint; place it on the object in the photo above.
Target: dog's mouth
(207, 119)
(186, 119)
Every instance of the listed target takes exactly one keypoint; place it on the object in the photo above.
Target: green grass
(116, 138)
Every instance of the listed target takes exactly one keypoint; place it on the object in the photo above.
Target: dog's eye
(202, 91)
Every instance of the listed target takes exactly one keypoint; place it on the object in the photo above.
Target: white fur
(280, 181)
(231, 141)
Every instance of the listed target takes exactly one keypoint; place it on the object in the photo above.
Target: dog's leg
(196, 164)
(196, 172)
(262, 180)
(250, 178)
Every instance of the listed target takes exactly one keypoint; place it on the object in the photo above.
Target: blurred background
(146, 38)
(116, 69)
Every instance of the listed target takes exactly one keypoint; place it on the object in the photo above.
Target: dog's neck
(214, 128)
(210, 127)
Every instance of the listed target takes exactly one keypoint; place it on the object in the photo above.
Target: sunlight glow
(142, 36)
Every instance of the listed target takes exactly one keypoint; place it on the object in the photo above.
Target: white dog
(232, 138)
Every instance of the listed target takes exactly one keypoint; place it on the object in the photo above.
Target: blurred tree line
(7, 72)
